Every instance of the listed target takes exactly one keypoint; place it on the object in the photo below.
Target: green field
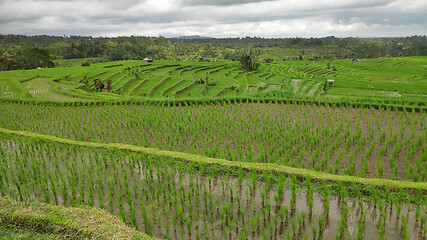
(392, 79)
(205, 150)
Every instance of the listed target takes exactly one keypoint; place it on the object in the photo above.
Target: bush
(247, 63)
(268, 60)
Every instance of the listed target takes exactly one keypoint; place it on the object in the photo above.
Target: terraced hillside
(398, 78)
(231, 154)
(383, 77)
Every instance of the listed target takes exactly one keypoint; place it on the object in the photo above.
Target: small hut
(148, 60)
(330, 81)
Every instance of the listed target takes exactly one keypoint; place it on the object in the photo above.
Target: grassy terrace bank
(275, 97)
(393, 185)
(46, 221)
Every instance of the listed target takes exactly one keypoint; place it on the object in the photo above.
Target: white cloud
(223, 18)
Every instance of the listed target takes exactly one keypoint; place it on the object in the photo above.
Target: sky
(220, 18)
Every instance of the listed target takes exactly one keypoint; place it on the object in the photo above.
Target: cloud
(221, 18)
(220, 2)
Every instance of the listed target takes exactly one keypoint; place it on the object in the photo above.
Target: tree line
(26, 52)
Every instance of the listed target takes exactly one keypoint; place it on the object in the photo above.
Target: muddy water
(268, 228)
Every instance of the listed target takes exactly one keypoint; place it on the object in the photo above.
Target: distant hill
(193, 37)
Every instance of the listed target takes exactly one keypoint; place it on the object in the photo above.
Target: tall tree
(6, 62)
(247, 63)
(37, 57)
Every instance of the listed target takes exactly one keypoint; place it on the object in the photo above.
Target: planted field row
(364, 142)
(5, 90)
(176, 200)
(190, 80)
(187, 80)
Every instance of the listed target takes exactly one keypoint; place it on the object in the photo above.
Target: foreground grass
(18, 233)
(393, 185)
(43, 221)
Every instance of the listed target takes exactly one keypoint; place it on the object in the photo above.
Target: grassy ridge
(186, 157)
(64, 222)
(371, 102)
(19, 233)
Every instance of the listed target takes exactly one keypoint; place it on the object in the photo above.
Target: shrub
(247, 63)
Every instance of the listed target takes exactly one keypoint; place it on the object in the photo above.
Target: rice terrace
(278, 144)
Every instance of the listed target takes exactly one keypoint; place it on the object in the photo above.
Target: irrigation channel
(183, 200)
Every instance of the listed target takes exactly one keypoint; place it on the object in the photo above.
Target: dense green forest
(26, 52)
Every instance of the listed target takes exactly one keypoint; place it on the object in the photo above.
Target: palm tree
(6, 62)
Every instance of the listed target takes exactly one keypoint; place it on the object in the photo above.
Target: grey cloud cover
(221, 18)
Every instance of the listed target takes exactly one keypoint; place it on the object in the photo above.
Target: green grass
(23, 234)
(43, 221)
